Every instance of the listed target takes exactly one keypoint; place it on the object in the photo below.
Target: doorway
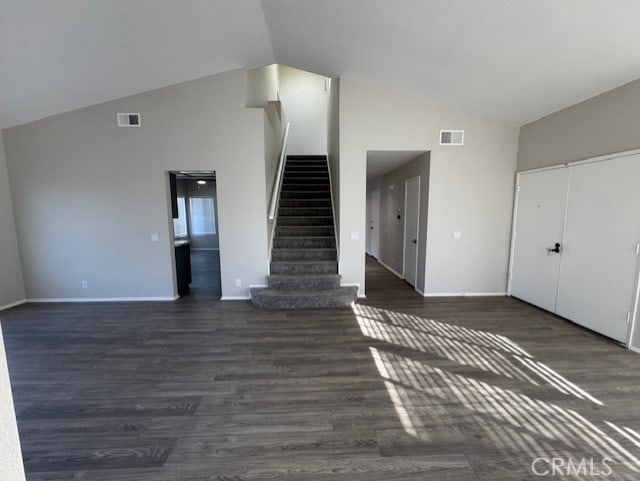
(396, 209)
(195, 234)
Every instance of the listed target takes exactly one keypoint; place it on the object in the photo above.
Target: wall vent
(128, 120)
(452, 137)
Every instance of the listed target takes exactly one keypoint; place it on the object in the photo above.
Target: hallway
(397, 387)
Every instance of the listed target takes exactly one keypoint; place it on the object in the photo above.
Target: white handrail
(275, 193)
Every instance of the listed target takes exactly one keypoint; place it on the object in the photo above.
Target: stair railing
(275, 192)
(277, 185)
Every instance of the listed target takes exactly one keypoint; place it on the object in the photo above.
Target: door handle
(415, 241)
(555, 249)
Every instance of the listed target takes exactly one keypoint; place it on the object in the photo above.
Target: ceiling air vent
(452, 137)
(128, 120)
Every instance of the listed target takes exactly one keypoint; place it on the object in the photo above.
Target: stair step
(304, 267)
(298, 221)
(304, 282)
(289, 172)
(305, 180)
(304, 211)
(307, 157)
(297, 187)
(306, 195)
(304, 255)
(304, 242)
(301, 203)
(304, 231)
(276, 299)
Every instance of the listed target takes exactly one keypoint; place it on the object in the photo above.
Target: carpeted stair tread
(304, 267)
(275, 299)
(297, 282)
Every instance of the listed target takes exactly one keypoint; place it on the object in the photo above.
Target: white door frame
(404, 235)
(376, 227)
(635, 303)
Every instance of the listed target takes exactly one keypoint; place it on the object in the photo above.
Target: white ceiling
(381, 162)
(510, 60)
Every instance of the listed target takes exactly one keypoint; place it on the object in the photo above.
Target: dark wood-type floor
(205, 276)
(397, 388)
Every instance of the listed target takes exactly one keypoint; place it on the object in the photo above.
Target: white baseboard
(235, 298)
(390, 269)
(12, 304)
(102, 299)
(205, 249)
(634, 348)
(463, 294)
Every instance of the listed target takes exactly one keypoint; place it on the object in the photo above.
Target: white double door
(575, 245)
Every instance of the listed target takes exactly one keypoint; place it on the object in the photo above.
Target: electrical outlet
(85, 285)
(457, 234)
(354, 236)
(155, 237)
(238, 282)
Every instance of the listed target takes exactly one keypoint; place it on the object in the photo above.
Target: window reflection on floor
(416, 358)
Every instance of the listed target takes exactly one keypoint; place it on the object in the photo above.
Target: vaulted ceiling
(509, 60)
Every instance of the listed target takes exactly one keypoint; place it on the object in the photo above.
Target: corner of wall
(12, 290)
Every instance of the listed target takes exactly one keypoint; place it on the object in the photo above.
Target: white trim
(102, 299)
(390, 269)
(13, 304)
(516, 198)
(404, 233)
(634, 349)
(588, 160)
(235, 298)
(205, 249)
(464, 294)
(376, 228)
(634, 310)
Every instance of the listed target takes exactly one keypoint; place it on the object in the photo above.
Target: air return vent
(128, 120)
(452, 137)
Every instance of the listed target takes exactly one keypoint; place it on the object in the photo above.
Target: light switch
(457, 234)
(155, 237)
(354, 236)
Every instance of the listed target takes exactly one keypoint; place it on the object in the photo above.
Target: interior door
(600, 260)
(375, 224)
(541, 201)
(411, 223)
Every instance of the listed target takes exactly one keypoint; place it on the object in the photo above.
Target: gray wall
(470, 186)
(87, 194)
(11, 467)
(305, 100)
(391, 244)
(604, 124)
(11, 283)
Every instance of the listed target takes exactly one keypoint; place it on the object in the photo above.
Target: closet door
(599, 257)
(539, 224)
